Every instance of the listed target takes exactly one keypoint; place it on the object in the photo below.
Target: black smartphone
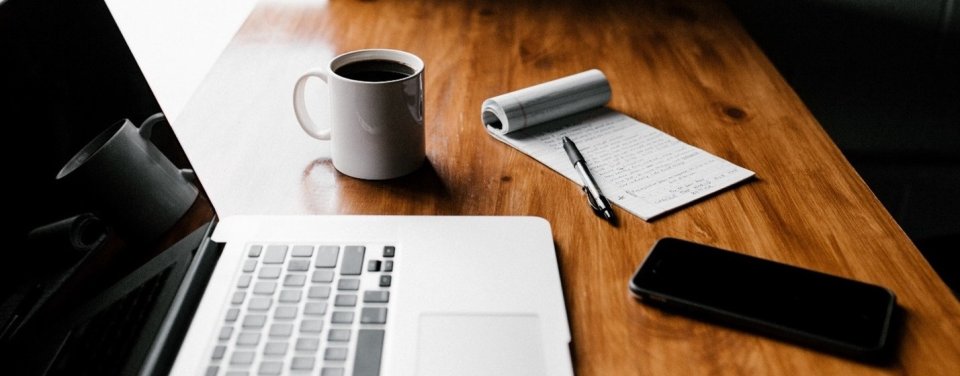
(804, 306)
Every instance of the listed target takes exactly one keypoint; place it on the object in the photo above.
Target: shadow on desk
(886, 358)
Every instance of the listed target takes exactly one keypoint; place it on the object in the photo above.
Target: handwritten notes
(641, 169)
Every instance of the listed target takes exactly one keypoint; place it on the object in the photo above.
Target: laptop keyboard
(306, 309)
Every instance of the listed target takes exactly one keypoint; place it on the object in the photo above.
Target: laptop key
(315, 308)
(311, 326)
(242, 358)
(281, 330)
(352, 260)
(318, 292)
(269, 272)
(285, 313)
(226, 332)
(244, 281)
(275, 348)
(238, 297)
(270, 368)
(339, 335)
(254, 321)
(389, 251)
(342, 318)
(335, 353)
(301, 265)
(348, 284)
(264, 288)
(275, 254)
(345, 300)
(366, 360)
(331, 371)
(290, 296)
(294, 280)
(255, 251)
(248, 339)
(376, 296)
(302, 251)
(327, 256)
(302, 363)
(232, 314)
(218, 352)
(373, 315)
(322, 275)
(308, 344)
(259, 304)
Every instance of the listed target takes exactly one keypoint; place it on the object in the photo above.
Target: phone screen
(791, 301)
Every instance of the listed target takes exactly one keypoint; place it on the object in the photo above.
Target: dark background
(883, 78)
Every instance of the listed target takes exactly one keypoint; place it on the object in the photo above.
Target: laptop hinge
(166, 344)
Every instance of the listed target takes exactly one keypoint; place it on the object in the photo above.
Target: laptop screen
(90, 172)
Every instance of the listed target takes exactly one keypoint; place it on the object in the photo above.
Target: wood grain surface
(685, 67)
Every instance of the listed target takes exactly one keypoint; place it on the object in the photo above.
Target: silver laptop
(380, 295)
(307, 295)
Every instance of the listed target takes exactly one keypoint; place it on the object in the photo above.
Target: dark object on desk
(822, 311)
(51, 256)
(68, 240)
(598, 203)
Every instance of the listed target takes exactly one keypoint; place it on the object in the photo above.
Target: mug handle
(146, 130)
(300, 106)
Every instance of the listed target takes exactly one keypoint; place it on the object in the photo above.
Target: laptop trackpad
(480, 344)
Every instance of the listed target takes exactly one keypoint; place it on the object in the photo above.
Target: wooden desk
(685, 67)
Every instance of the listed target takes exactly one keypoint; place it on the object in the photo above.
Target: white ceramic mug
(376, 121)
(135, 187)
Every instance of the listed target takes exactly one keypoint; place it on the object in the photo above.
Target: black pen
(598, 203)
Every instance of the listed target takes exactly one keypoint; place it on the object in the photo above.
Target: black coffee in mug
(374, 70)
